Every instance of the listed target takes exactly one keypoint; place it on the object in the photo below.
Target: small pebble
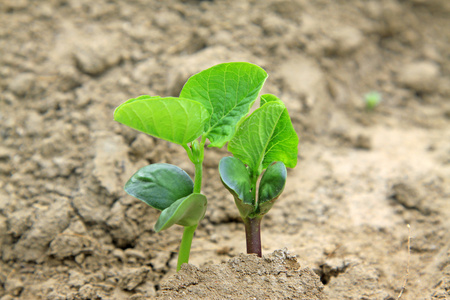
(119, 254)
(22, 83)
(346, 40)
(87, 292)
(135, 253)
(420, 76)
(363, 142)
(14, 286)
(133, 277)
(79, 258)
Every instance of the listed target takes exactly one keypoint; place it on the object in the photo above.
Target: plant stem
(253, 235)
(185, 245)
(198, 177)
(196, 155)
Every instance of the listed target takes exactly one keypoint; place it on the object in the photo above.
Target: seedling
(265, 140)
(210, 106)
(372, 100)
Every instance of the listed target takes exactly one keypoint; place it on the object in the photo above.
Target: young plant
(265, 140)
(210, 106)
(372, 100)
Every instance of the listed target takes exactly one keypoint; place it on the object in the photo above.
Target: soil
(68, 230)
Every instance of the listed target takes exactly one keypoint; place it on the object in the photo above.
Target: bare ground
(68, 231)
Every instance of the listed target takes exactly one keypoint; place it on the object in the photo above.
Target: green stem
(185, 245)
(253, 235)
(188, 151)
(196, 155)
(198, 177)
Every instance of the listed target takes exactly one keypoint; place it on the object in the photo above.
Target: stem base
(185, 245)
(253, 235)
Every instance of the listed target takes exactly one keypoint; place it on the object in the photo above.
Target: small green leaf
(187, 211)
(271, 186)
(159, 185)
(236, 179)
(176, 120)
(227, 91)
(266, 136)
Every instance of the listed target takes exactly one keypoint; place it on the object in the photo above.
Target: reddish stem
(253, 235)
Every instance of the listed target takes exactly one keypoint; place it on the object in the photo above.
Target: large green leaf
(159, 185)
(187, 211)
(266, 136)
(227, 91)
(236, 179)
(176, 120)
(271, 186)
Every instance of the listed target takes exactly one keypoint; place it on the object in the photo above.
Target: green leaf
(266, 136)
(271, 186)
(236, 179)
(187, 211)
(176, 120)
(143, 97)
(159, 185)
(227, 91)
(270, 98)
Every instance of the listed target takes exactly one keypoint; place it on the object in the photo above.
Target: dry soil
(68, 230)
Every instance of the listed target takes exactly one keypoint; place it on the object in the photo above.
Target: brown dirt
(68, 231)
(277, 276)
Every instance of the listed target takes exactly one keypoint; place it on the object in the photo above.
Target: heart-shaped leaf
(173, 119)
(187, 211)
(236, 179)
(227, 91)
(271, 186)
(266, 136)
(160, 185)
